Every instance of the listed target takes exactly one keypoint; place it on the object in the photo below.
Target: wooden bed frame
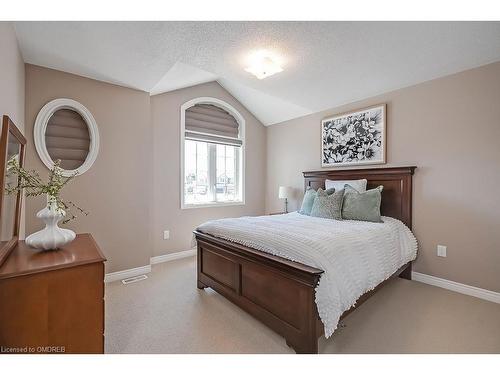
(281, 293)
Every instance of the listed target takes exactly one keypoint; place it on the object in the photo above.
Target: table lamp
(284, 193)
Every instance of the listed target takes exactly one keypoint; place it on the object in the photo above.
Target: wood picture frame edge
(8, 126)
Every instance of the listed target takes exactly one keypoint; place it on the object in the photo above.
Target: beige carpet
(168, 314)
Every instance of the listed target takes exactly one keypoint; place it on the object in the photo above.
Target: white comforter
(355, 255)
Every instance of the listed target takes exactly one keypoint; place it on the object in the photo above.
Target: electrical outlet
(441, 251)
(166, 234)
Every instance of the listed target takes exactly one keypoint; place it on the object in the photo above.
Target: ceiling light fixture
(263, 64)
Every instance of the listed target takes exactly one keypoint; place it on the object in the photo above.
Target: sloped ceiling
(326, 63)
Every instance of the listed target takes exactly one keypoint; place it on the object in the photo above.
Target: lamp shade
(284, 192)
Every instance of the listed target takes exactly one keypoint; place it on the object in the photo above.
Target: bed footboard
(278, 292)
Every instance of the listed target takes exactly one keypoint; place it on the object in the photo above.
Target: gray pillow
(328, 206)
(359, 185)
(362, 206)
(308, 201)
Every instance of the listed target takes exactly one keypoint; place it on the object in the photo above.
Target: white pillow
(359, 185)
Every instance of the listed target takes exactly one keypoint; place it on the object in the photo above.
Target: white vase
(51, 237)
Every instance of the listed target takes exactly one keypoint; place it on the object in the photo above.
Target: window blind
(67, 138)
(209, 123)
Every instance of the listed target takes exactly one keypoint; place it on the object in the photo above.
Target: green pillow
(328, 206)
(308, 200)
(362, 206)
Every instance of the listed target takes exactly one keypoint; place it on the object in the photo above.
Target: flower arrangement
(33, 185)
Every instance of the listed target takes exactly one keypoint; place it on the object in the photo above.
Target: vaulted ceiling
(326, 63)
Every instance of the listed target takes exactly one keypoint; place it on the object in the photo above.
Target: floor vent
(134, 279)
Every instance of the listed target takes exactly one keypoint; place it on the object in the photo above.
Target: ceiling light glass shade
(262, 65)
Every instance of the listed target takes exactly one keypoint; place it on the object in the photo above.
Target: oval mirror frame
(40, 128)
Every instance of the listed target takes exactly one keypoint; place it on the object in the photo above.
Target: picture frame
(354, 138)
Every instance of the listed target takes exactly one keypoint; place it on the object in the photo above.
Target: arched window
(212, 154)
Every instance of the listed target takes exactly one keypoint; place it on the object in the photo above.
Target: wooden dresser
(53, 301)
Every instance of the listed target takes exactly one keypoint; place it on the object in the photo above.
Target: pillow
(359, 185)
(328, 206)
(362, 206)
(308, 200)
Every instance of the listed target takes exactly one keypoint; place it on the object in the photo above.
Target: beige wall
(117, 189)
(12, 84)
(450, 129)
(11, 76)
(167, 215)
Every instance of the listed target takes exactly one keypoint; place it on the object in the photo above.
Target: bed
(280, 292)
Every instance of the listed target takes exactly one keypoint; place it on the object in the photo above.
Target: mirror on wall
(9, 200)
(12, 146)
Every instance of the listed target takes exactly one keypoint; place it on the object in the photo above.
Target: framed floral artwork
(354, 138)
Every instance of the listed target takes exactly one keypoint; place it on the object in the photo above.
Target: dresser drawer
(53, 301)
(62, 309)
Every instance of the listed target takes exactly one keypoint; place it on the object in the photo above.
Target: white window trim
(241, 123)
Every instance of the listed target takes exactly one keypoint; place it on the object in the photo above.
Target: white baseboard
(120, 275)
(488, 295)
(172, 256)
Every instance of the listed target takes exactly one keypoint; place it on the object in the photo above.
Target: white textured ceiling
(326, 63)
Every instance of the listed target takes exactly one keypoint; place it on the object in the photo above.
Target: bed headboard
(397, 182)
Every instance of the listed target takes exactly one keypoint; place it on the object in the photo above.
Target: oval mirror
(65, 130)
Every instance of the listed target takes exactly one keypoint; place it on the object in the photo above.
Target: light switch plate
(166, 234)
(441, 251)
